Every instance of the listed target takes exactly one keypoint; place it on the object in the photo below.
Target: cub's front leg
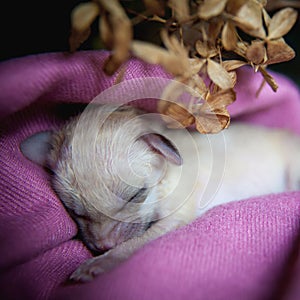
(103, 263)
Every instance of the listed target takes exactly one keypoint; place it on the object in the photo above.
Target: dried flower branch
(204, 43)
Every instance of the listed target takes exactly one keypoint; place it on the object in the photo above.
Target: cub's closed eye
(79, 216)
(139, 196)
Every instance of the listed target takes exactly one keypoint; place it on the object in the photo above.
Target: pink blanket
(243, 250)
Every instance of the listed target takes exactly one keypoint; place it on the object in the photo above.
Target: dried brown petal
(180, 8)
(256, 52)
(178, 111)
(250, 19)
(278, 51)
(122, 38)
(179, 114)
(221, 99)
(196, 64)
(229, 36)
(204, 50)
(122, 35)
(215, 89)
(263, 2)
(120, 75)
(213, 115)
(233, 77)
(231, 65)
(268, 78)
(201, 48)
(198, 85)
(178, 49)
(170, 94)
(157, 55)
(242, 24)
(156, 7)
(151, 53)
(266, 17)
(82, 16)
(77, 38)
(233, 6)
(214, 29)
(219, 75)
(211, 8)
(212, 122)
(106, 32)
(282, 22)
(241, 49)
(172, 43)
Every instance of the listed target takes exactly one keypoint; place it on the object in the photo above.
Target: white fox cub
(126, 182)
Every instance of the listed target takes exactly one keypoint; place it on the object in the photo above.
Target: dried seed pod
(256, 52)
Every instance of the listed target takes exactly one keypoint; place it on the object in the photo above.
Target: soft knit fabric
(243, 250)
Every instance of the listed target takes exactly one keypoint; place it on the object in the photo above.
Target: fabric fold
(235, 251)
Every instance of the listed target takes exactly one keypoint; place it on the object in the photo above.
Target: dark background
(30, 27)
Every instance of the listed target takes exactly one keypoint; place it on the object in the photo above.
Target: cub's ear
(163, 146)
(37, 147)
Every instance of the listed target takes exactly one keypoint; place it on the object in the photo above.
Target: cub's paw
(94, 267)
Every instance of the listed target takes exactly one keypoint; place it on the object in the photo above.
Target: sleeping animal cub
(126, 180)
